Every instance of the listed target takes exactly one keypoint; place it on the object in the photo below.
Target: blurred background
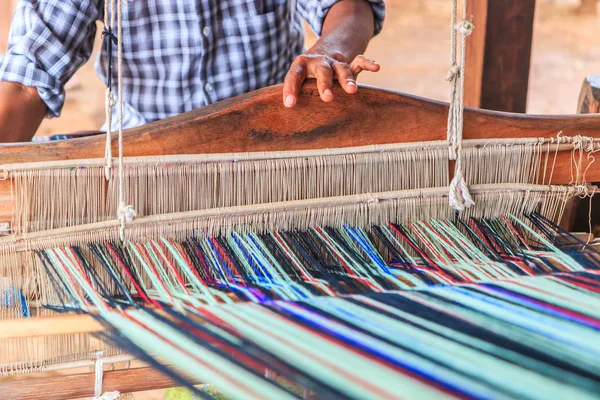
(413, 50)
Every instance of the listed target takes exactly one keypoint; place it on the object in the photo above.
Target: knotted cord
(109, 101)
(125, 213)
(459, 197)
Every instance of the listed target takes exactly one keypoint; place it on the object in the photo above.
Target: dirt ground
(413, 50)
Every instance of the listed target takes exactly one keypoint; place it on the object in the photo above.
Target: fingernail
(328, 92)
(290, 101)
(351, 83)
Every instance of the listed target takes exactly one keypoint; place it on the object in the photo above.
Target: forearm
(347, 30)
(21, 112)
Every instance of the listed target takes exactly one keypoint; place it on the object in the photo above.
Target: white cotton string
(109, 100)
(452, 78)
(459, 197)
(99, 374)
(125, 213)
(110, 103)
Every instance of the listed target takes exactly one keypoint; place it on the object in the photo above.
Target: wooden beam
(499, 54)
(258, 121)
(589, 97)
(47, 326)
(82, 385)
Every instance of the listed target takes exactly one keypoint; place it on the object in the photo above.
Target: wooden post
(499, 54)
(589, 97)
(588, 7)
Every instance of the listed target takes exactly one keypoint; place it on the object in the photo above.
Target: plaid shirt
(178, 54)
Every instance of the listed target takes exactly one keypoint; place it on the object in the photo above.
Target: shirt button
(206, 31)
(208, 87)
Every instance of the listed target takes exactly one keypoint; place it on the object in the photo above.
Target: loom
(368, 175)
(365, 201)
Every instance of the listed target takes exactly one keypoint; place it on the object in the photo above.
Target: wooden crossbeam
(75, 386)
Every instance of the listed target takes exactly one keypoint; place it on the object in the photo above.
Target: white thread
(464, 27)
(109, 396)
(110, 103)
(109, 98)
(585, 143)
(99, 373)
(452, 73)
(4, 228)
(125, 213)
(459, 196)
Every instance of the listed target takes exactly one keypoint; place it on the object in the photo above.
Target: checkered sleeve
(49, 40)
(315, 11)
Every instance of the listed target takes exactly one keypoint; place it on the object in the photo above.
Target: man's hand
(325, 69)
(347, 30)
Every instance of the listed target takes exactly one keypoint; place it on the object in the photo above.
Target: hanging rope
(125, 213)
(99, 374)
(459, 196)
(109, 101)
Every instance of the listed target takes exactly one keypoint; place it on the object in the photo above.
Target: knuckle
(323, 69)
(297, 69)
(301, 58)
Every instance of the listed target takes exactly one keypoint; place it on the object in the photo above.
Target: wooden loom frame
(258, 122)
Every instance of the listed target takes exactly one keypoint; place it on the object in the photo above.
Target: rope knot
(465, 27)
(126, 213)
(459, 197)
(584, 143)
(109, 35)
(581, 191)
(453, 73)
(110, 99)
(452, 153)
(372, 199)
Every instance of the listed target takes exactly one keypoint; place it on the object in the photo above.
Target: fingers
(325, 69)
(324, 74)
(293, 82)
(345, 76)
(362, 63)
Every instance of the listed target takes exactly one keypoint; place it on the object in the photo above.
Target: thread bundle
(476, 308)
